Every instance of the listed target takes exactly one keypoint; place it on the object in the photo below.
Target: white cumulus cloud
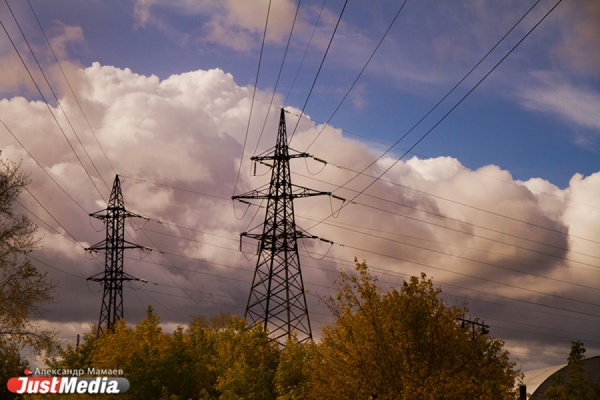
(177, 145)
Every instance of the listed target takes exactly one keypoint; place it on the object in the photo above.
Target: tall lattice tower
(277, 298)
(114, 246)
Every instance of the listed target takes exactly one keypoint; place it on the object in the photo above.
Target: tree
(141, 352)
(577, 387)
(217, 358)
(404, 344)
(24, 291)
(245, 361)
(11, 364)
(396, 344)
(293, 370)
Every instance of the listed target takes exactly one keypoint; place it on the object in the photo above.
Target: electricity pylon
(114, 246)
(277, 297)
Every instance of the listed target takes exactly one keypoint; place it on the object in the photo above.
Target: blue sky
(428, 49)
(498, 202)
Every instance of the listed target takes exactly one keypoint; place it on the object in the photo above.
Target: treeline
(401, 343)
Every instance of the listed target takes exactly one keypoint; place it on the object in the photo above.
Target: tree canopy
(577, 386)
(404, 344)
(217, 358)
(24, 290)
(394, 344)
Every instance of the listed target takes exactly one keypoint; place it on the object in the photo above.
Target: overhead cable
(442, 118)
(237, 178)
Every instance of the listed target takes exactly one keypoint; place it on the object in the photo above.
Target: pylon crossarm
(297, 192)
(303, 235)
(130, 245)
(129, 214)
(95, 277)
(97, 247)
(299, 235)
(124, 277)
(301, 191)
(260, 162)
(112, 211)
(257, 236)
(98, 214)
(281, 157)
(260, 193)
(104, 246)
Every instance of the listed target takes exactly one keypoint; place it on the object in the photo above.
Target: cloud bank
(517, 252)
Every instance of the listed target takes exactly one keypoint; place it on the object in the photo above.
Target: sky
(464, 136)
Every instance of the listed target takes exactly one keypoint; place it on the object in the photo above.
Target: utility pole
(114, 246)
(277, 299)
(484, 328)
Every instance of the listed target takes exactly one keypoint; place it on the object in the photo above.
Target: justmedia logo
(66, 384)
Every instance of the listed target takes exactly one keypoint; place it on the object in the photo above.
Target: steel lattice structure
(114, 246)
(277, 299)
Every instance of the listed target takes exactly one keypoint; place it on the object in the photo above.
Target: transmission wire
(57, 101)
(237, 178)
(359, 75)
(278, 77)
(443, 117)
(70, 87)
(318, 71)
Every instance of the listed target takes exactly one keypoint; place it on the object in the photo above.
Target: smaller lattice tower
(114, 246)
(277, 299)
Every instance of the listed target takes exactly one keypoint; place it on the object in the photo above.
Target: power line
(70, 88)
(417, 263)
(237, 178)
(312, 284)
(53, 267)
(432, 250)
(537, 304)
(41, 167)
(359, 75)
(307, 266)
(196, 271)
(47, 211)
(421, 155)
(422, 239)
(176, 188)
(445, 217)
(473, 276)
(154, 300)
(444, 284)
(484, 262)
(57, 100)
(442, 216)
(170, 277)
(318, 71)
(389, 182)
(305, 52)
(439, 225)
(422, 248)
(216, 196)
(287, 46)
(449, 111)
